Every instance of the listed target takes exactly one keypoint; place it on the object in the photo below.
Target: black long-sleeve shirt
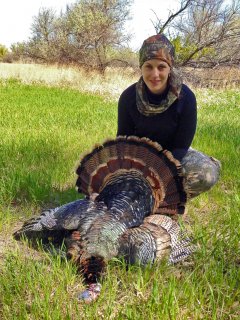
(173, 129)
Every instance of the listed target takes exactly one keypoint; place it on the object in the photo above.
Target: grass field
(43, 132)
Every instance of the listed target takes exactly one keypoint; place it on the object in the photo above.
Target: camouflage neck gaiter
(148, 109)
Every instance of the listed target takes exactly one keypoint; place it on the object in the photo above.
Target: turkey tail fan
(108, 161)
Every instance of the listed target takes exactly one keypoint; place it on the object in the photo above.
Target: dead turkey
(132, 188)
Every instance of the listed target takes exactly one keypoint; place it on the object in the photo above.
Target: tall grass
(43, 132)
(110, 85)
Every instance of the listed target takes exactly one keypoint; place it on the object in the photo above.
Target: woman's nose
(155, 72)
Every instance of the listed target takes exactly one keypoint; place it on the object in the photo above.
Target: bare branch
(184, 6)
(160, 27)
(207, 31)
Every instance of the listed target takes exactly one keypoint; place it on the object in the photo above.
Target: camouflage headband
(157, 47)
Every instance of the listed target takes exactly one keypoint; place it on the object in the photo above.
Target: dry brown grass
(110, 85)
(115, 80)
(219, 78)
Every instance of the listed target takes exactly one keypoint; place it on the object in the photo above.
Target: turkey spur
(132, 188)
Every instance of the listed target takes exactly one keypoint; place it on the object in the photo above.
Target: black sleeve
(125, 122)
(186, 126)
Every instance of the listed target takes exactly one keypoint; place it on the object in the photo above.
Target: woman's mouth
(154, 82)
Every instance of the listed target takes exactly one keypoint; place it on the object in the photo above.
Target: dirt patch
(9, 244)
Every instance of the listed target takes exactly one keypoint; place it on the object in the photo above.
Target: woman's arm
(187, 124)
(125, 122)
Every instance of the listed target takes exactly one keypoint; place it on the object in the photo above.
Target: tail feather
(128, 154)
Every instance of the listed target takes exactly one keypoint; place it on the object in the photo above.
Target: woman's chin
(156, 89)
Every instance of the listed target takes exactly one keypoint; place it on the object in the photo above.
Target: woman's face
(155, 74)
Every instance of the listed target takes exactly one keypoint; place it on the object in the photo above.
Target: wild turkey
(132, 187)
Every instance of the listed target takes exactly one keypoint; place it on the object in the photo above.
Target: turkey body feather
(55, 224)
(134, 179)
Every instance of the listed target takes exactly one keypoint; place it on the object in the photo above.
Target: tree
(3, 52)
(40, 47)
(204, 35)
(18, 51)
(97, 27)
(160, 25)
(86, 34)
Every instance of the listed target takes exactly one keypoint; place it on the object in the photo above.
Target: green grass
(43, 132)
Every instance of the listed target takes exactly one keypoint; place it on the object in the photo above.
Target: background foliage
(206, 32)
(89, 33)
(92, 34)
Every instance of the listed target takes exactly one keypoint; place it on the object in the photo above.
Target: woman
(160, 107)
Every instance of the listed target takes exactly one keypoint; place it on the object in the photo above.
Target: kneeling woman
(160, 107)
